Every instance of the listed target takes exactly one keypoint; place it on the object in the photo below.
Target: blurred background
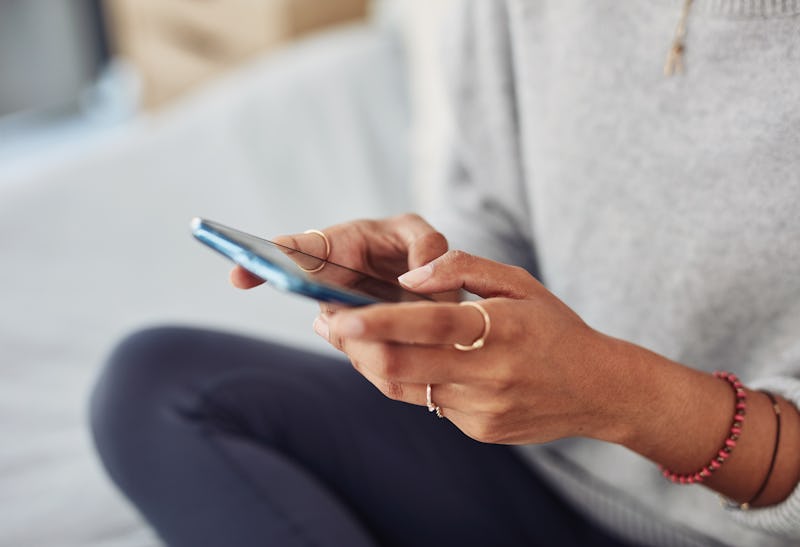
(122, 119)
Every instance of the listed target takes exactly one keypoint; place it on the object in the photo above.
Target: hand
(381, 248)
(540, 376)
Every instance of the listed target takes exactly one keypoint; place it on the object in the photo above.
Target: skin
(543, 373)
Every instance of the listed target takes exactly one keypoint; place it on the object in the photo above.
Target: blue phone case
(264, 259)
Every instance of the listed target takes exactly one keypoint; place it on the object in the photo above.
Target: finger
(424, 244)
(407, 363)
(427, 323)
(309, 243)
(314, 249)
(242, 279)
(421, 239)
(417, 364)
(345, 241)
(454, 403)
(380, 248)
(312, 258)
(329, 308)
(481, 276)
(449, 397)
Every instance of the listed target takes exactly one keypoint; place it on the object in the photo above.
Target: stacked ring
(432, 407)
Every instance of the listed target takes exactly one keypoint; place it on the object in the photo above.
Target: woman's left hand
(542, 374)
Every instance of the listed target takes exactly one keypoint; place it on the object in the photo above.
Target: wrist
(679, 418)
(656, 403)
(620, 391)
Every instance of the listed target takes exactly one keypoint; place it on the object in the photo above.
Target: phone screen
(285, 268)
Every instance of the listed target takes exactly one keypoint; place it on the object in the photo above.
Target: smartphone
(286, 268)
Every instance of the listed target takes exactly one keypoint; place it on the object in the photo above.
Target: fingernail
(350, 326)
(417, 276)
(321, 327)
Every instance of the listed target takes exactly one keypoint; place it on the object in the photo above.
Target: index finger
(310, 244)
(427, 323)
(423, 241)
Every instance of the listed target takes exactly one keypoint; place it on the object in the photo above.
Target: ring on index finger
(327, 251)
(487, 326)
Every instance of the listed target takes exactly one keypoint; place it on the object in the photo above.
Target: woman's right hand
(383, 248)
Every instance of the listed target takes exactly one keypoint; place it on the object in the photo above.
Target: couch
(95, 244)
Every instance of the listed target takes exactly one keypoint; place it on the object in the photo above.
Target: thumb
(459, 270)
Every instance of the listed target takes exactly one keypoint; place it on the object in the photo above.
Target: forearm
(679, 417)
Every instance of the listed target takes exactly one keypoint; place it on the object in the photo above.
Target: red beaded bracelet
(730, 441)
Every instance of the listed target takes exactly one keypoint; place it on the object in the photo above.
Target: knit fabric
(664, 210)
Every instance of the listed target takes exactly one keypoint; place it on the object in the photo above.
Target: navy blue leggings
(221, 440)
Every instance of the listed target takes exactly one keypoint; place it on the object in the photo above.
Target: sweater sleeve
(482, 206)
(783, 518)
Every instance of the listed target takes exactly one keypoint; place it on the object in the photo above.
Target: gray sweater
(665, 211)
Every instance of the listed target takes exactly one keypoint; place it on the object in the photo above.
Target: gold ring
(487, 325)
(432, 407)
(327, 251)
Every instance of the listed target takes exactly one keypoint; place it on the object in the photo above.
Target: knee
(135, 372)
(132, 389)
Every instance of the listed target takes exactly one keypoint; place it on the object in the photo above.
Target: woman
(659, 213)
